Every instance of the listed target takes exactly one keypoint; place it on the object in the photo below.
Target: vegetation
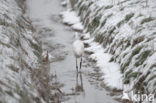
(108, 7)
(129, 16)
(147, 20)
(94, 24)
(120, 23)
(99, 38)
(142, 57)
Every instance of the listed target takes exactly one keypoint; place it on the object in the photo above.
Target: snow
(125, 96)
(64, 3)
(17, 57)
(86, 36)
(112, 75)
(77, 26)
(70, 17)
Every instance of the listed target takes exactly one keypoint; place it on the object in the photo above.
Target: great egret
(78, 49)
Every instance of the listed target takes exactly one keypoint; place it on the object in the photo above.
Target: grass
(128, 43)
(139, 15)
(146, 20)
(136, 51)
(4, 23)
(111, 60)
(108, 7)
(6, 16)
(142, 57)
(87, 15)
(151, 78)
(73, 2)
(99, 38)
(124, 66)
(127, 73)
(153, 66)
(4, 44)
(129, 16)
(123, 2)
(35, 46)
(21, 4)
(111, 30)
(12, 67)
(94, 24)
(104, 22)
(134, 74)
(40, 77)
(137, 40)
(90, 3)
(98, 10)
(120, 23)
(9, 93)
(131, 74)
(82, 9)
(96, 21)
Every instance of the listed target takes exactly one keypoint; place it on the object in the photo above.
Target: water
(79, 88)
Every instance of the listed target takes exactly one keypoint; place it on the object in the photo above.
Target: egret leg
(81, 81)
(76, 65)
(81, 63)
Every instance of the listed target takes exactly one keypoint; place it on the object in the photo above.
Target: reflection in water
(79, 83)
(79, 88)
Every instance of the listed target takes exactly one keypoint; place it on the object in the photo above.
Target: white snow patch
(64, 3)
(112, 74)
(78, 26)
(70, 17)
(86, 36)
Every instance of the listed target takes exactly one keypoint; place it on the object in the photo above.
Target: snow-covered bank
(126, 29)
(19, 54)
(112, 75)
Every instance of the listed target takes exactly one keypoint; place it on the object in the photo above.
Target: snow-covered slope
(127, 30)
(19, 55)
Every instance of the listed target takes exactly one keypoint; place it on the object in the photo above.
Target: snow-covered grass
(19, 55)
(112, 75)
(125, 29)
(70, 18)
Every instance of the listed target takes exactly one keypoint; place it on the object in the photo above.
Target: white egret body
(78, 49)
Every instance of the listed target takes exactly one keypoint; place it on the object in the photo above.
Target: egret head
(77, 36)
